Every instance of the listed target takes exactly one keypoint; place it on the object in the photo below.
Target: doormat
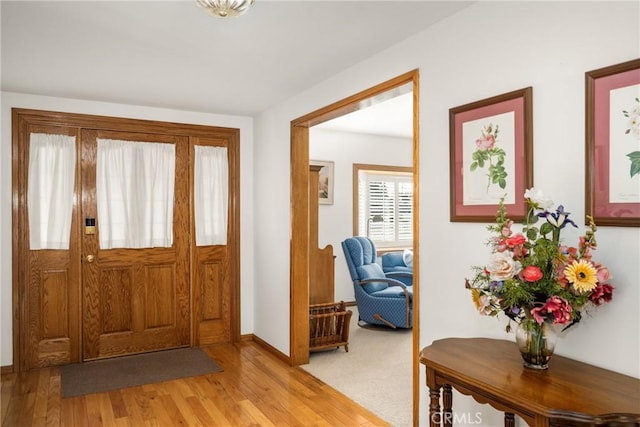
(130, 371)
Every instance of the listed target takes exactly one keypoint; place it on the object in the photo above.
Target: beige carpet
(376, 372)
(129, 371)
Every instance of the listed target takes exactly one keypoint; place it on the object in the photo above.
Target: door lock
(90, 258)
(89, 226)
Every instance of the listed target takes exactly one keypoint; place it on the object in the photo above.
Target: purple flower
(559, 219)
(496, 287)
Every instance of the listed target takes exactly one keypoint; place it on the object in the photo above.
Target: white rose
(538, 198)
(503, 266)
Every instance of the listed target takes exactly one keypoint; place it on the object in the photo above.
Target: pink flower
(558, 307)
(516, 244)
(486, 142)
(586, 244)
(520, 252)
(516, 239)
(499, 244)
(531, 273)
(603, 274)
(562, 279)
(573, 252)
(601, 294)
(536, 313)
(506, 230)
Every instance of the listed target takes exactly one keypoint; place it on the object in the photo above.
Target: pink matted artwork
(613, 145)
(490, 150)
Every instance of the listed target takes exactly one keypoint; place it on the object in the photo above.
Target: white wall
(335, 222)
(485, 50)
(14, 100)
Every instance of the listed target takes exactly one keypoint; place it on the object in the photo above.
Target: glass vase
(536, 343)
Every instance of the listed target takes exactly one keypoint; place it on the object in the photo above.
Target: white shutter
(405, 211)
(386, 201)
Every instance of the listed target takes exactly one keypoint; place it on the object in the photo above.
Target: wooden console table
(569, 393)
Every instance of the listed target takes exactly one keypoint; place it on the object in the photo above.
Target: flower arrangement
(532, 277)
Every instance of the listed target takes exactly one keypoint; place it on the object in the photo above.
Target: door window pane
(52, 166)
(135, 194)
(211, 192)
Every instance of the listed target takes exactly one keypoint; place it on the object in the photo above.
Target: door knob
(90, 258)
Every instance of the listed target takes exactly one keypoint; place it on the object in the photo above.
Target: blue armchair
(381, 300)
(394, 263)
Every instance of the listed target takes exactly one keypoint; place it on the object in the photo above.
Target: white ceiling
(393, 117)
(171, 54)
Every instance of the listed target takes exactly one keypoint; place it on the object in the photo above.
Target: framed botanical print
(612, 178)
(490, 143)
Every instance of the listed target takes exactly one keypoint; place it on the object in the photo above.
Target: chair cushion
(394, 262)
(392, 259)
(393, 292)
(371, 271)
(368, 249)
(407, 257)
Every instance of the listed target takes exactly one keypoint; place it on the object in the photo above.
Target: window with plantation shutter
(385, 206)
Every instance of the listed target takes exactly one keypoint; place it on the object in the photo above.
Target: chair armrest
(390, 281)
(391, 274)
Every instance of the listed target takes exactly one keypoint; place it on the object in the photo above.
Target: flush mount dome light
(225, 8)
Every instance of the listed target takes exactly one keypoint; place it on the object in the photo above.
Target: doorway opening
(299, 250)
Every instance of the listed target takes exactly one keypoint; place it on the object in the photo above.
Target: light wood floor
(255, 389)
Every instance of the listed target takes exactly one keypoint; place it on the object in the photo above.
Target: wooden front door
(134, 300)
(84, 302)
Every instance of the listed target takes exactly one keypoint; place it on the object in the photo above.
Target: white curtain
(52, 166)
(135, 193)
(211, 193)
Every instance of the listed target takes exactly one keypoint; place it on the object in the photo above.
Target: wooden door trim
(299, 246)
(24, 117)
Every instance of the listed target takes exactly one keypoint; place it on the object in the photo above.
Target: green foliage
(634, 157)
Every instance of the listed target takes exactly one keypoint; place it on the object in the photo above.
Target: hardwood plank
(74, 411)
(262, 387)
(255, 389)
(145, 398)
(20, 411)
(6, 389)
(130, 400)
(218, 417)
(199, 412)
(270, 403)
(170, 407)
(53, 399)
(118, 406)
(258, 416)
(42, 392)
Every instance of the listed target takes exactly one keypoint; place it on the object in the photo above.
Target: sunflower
(582, 275)
(475, 296)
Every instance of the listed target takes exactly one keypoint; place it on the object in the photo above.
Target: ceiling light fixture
(225, 8)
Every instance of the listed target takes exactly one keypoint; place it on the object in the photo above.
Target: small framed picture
(325, 181)
(490, 145)
(612, 149)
